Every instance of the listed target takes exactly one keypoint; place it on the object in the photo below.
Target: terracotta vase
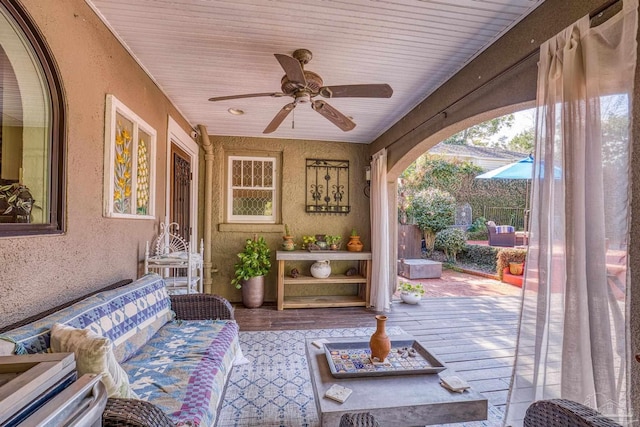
(354, 245)
(253, 292)
(380, 343)
(288, 244)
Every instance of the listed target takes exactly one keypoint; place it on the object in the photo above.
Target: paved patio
(457, 284)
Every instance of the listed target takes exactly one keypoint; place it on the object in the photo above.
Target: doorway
(182, 182)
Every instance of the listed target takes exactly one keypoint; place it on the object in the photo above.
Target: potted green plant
(254, 263)
(333, 242)
(410, 293)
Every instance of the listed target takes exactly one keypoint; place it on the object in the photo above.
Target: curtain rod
(604, 7)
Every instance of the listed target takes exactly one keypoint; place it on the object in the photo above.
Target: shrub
(433, 210)
(451, 241)
(478, 235)
(478, 224)
(479, 254)
(505, 256)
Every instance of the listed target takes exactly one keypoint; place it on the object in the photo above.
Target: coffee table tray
(353, 359)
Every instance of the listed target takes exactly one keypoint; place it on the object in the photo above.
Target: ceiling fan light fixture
(303, 97)
(235, 111)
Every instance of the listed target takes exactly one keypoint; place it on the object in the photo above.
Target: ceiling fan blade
(279, 118)
(333, 115)
(248, 95)
(357, 91)
(292, 68)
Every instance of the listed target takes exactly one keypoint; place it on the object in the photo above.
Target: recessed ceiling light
(235, 111)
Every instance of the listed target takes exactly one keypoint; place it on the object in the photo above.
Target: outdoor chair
(501, 235)
(361, 419)
(562, 412)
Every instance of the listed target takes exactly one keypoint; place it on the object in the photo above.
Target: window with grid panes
(251, 192)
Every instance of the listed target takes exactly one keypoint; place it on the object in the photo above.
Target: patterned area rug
(275, 389)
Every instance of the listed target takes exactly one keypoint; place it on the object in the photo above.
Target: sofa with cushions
(501, 235)
(164, 359)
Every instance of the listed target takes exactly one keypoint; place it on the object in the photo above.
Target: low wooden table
(396, 400)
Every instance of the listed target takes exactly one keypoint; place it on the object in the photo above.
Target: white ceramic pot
(321, 269)
(410, 298)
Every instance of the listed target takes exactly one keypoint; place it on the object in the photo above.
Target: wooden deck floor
(474, 335)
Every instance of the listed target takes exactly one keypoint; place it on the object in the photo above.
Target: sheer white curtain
(572, 338)
(380, 271)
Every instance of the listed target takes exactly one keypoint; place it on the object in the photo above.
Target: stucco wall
(37, 273)
(228, 240)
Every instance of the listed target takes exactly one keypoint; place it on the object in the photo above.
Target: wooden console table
(362, 279)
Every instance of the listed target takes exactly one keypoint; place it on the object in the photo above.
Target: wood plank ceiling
(197, 49)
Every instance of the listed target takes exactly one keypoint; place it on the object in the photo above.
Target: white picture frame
(129, 163)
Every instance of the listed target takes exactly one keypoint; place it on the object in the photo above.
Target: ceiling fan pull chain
(293, 120)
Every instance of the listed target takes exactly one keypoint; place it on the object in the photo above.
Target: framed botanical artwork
(130, 166)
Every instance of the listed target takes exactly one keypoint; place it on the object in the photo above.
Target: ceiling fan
(303, 85)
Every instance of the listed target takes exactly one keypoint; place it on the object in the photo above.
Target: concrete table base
(399, 400)
(419, 268)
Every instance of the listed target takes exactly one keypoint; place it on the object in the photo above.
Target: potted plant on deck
(411, 293)
(254, 263)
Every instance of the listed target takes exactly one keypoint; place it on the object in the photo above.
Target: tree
(452, 241)
(433, 210)
(481, 133)
(524, 142)
(454, 177)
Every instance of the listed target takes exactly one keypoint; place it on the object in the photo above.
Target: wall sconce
(367, 177)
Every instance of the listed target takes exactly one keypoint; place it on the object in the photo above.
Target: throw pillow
(94, 355)
(491, 224)
(516, 268)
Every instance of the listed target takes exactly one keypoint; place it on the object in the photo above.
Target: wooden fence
(409, 241)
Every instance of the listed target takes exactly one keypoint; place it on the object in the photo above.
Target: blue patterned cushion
(501, 229)
(117, 314)
(183, 368)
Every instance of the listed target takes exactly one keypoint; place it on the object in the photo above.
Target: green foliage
(254, 261)
(453, 177)
(451, 241)
(478, 224)
(505, 256)
(432, 210)
(332, 240)
(523, 142)
(480, 254)
(478, 235)
(412, 288)
(481, 133)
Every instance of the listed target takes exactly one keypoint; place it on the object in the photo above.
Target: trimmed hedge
(478, 235)
(479, 254)
(507, 255)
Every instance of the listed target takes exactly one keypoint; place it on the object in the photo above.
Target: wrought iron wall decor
(327, 186)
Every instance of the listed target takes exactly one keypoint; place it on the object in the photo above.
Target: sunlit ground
(453, 283)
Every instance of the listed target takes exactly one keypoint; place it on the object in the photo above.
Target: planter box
(419, 269)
